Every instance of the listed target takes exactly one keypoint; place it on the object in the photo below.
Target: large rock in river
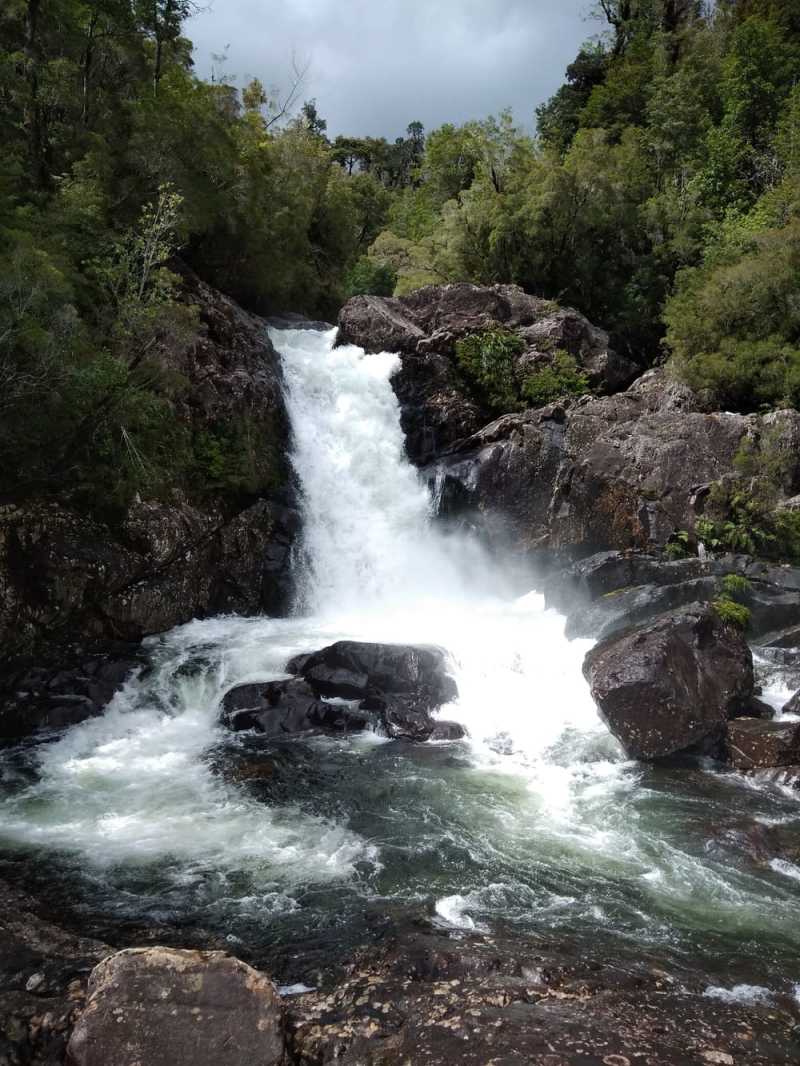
(673, 683)
(277, 708)
(164, 1007)
(400, 683)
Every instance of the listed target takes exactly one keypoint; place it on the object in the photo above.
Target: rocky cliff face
(423, 328)
(625, 467)
(67, 576)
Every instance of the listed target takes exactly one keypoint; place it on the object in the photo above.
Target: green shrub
(488, 360)
(744, 526)
(731, 612)
(560, 378)
(678, 546)
(735, 587)
(733, 325)
(369, 278)
(787, 534)
(237, 458)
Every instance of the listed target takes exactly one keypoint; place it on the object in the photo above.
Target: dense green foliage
(115, 158)
(662, 195)
(500, 380)
(731, 612)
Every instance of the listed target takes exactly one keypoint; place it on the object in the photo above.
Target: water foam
(552, 807)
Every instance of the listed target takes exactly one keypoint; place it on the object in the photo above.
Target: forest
(659, 195)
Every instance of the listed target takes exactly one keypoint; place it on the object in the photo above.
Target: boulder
(435, 411)
(671, 684)
(753, 743)
(65, 687)
(398, 683)
(161, 1006)
(609, 591)
(620, 472)
(438, 410)
(431, 318)
(505, 473)
(279, 707)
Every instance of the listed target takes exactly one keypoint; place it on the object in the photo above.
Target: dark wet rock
(792, 705)
(433, 318)
(616, 611)
(162, 1006)
(608, 591)
(593, 577)
(435, 411)
(43, 975)
(429, 998)
(505, 473)
(445, 730)
(753, 743)
(618, 472)
(759, 709)
(400, 684)
(275, 708)
(671, 684)
(291, 320)
(622, 471)
(65, 687)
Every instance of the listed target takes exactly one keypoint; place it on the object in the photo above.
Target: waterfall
(368, 542)
(536, 817)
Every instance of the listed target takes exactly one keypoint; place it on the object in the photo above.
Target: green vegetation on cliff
(661, 197)
(116, 157)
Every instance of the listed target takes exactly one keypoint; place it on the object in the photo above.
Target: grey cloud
(376, 66)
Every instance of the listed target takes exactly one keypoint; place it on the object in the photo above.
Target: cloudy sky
(376, 65)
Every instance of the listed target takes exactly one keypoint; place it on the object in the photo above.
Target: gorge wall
(624, 467)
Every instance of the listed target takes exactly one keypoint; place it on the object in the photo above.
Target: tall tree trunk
(34, 120)
(88, 58)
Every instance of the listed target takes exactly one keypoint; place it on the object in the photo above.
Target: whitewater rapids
(535, 818)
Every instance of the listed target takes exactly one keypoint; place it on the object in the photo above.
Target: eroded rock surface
(436, 1000)
(437, 408)
(617, 470)
(162, 1006)
(43, 975)
(753, 743)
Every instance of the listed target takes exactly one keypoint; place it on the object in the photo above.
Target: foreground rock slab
(430, 999)
(43, 974)
(672, 683)
(163, 1007)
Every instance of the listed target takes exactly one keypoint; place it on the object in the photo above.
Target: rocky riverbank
(421, 996)
(621, 469)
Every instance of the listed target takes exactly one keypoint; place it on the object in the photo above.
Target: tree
(312, 120)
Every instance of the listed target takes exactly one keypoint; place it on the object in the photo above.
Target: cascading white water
(552, 820)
